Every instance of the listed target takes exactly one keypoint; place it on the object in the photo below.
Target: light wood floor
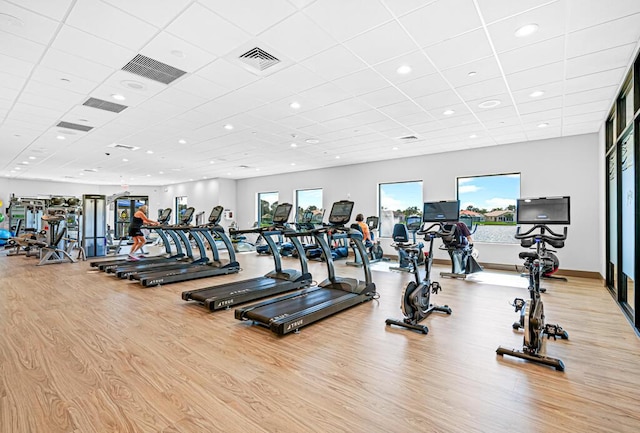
(83, 352)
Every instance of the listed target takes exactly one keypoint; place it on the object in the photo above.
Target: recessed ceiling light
(149, 152)
(337, 156)
(125, 160)
(293, 163)
(394, 148)
(25, 162)
(448, 112)
(473, 136)
(257, 169)
(404, 69)
(228, 174)
(61, 137)
(80, 174)
(543, 125)
(82, 120)
(472, 73)
(526, 30)
(148, 175)
(312, 141)
(182, 141)
(295, 105)
(489, 104)
(178, 53)
(118, 97)
(32, 157)
(536, 94)
(161, 172)
(211, 162)
(133, 84)
(191, 180)
(294, 145)
(10, 20)
(228, 126)
(16, 168)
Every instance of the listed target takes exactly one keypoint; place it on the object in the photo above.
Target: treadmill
(273, 283)
(200, 268)
(163, 219)
(289, 313)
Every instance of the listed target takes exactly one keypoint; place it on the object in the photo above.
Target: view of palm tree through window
(488, 203)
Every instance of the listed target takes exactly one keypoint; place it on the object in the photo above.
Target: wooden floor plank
(82, 351)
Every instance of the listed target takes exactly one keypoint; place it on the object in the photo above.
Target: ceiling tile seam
(603, 22)
(438, 71)
(521, 12)
(493, 49)
(175, 16)
(604, 50)
(564, 67)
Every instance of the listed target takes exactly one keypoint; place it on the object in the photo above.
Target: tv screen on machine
(543, 210)
(441, 211)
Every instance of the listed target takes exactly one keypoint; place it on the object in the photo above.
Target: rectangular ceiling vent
(153, 69)
(259, 59)
(104, 105)
(69, 125)
(91, 170)
(409, 137)
(123, 146)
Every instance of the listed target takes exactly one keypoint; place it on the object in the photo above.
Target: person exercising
(464, 232)
(135, 230)
(364, 228)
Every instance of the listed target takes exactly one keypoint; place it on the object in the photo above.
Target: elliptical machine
(374, 250)
(534, 211)
(416, 297)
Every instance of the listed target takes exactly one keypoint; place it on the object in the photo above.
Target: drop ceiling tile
(361, 82)
(551, 90)
(591, 107)
(587, 96)
(265, 92)
(333, 63)
(459, 50)
(381, 44)
(20, 48)
(175, 52)
(295, 77)
(439, 100)
(382, 97)
(180, 98)
(540, 105)
(74, 66)
(402, 109)
(253, 16)
(10, 81)
(346, 19)
(325, 94)
(481, 70)
(422, 86)
(420, 66)
(282, 37)
(587, 13)
(17, 67)
(149, 10)
(89, 47)
(196, 85)
(98, 18)
(485, 89)
(510, 138)
(493, 10)
(594, 81)
(432, 23)
(550, 19)
(604, 36)
(227, 74)
(540, 116)
(295, 122)
(617, 57)
(496, 114)
(52, 77)
(459, 110)
(534, 55)
(580, 128)
(83, 115)
(597, 118)
(203, 28)
(55, 9)
(35, 27)
(535, 77)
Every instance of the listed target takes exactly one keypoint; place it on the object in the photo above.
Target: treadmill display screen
(341, 212)
(440, 211)
(281, 215)
(543, 210)
(216, 213)
(165, 216)
(187, 216)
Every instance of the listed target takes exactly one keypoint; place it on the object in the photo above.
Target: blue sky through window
(489, 192)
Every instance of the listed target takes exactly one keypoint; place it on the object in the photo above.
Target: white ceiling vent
(408, 138)
(69, 125)
(104, 105)
(153, 69)
(259, 59)
(123, 146)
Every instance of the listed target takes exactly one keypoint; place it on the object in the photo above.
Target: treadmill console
(341, 212)
(164, 216)
(215, 215)
(441, 211)
(281, 214)
(187, 216)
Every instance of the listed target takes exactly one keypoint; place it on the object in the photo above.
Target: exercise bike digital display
(341, 212)
(441, 211)
(543, 210)
(282, 213)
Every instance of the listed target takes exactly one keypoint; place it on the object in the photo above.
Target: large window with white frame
(308, 201)
(267, 203)
(489, 202)
(397, 201)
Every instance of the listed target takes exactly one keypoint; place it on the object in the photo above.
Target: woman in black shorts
(135, 230)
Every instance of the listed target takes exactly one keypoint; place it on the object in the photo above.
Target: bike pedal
(518, 303)
(553, 331)
(435, 288)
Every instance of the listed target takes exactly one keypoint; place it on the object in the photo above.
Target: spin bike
(374, 250)
(532, 311)
(416, 296)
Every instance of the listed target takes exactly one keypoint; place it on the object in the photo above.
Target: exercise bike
(461, 253)
(374, 250)
(401, 236)
(416, 296)
(532, 310)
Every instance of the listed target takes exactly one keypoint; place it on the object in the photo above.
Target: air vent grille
(123, 146)
(69, 125)
(104, 105)
(259, 59)
(409, 137)
(153, 69)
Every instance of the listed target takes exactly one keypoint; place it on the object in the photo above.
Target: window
(490, 203)
(397, 202)
(267, 203)
(308, 200)
(181, 207)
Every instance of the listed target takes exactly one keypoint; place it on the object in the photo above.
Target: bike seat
(528, 255)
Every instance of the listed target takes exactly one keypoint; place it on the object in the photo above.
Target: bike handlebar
(545, 234)
(440, 232)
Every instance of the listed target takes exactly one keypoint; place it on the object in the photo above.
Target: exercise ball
(5, 235)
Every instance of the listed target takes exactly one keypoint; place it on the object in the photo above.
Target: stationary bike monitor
(543, 210)
(441, 211)
(281, 215)
(341, 212)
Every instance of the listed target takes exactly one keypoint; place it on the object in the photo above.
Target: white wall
(562, 166)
